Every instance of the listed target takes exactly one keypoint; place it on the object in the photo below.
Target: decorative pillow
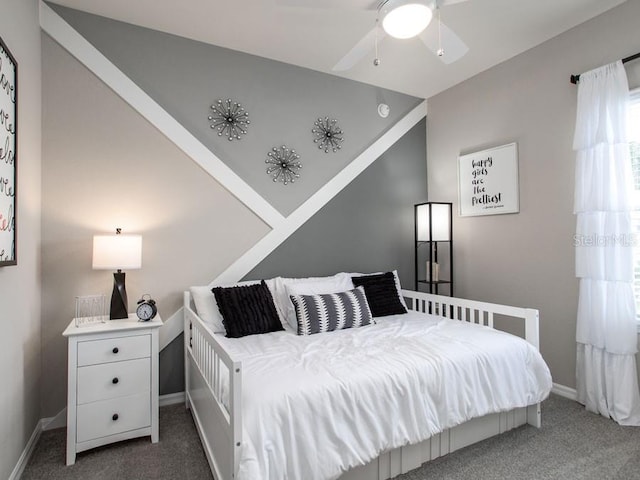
(382, 294)
(207, 308)
(247, 310)
(285, 287)
(397, 280)
(333, 311)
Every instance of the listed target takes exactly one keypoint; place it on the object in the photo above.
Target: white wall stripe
(282, 227)
(273, 239)
(174, 325)
(113, 77)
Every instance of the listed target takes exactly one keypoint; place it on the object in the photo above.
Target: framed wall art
(8, 155)
(488, 181)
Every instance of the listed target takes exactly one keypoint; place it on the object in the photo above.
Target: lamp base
(119, 303)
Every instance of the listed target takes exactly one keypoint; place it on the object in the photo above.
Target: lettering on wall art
(8, 146)
(488, 181)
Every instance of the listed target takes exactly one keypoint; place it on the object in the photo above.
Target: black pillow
(382, 293)
(247, 310)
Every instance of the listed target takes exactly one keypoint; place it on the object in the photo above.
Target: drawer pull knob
(115, 380)
(115, 417)
(115, 350)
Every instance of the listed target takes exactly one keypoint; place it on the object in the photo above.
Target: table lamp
(117, 252)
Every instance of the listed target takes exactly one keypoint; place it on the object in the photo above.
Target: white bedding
(316, 406)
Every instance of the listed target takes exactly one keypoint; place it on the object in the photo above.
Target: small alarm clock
(146, 308)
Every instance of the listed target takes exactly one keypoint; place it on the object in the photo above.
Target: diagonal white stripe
(97, 63)
(308, 209)
(122, 85)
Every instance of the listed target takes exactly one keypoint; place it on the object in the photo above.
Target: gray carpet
(178, 455)
(572, 444)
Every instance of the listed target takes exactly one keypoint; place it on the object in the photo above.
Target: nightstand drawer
(113, 349)
(111, 380)
(108, 417)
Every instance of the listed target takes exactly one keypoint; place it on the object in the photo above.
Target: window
(634, 146)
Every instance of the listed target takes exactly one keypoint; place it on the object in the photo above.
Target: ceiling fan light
(407, 21)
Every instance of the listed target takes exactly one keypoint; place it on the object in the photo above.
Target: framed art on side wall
(8, 155)
(488, 181)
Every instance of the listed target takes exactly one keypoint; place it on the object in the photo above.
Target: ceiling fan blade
(360, 50)
(446, 3)
(330, 4)
(453, 46)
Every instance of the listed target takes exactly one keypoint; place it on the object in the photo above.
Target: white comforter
(316, 406)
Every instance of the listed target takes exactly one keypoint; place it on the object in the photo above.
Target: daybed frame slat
(210, 373)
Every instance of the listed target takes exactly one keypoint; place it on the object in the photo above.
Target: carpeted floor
(178, 455)
(572, 444)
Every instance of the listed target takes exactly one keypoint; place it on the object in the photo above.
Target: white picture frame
(488, 182)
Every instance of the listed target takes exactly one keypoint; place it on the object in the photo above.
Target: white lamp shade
(117, 252)
(439, 222)
(404, 19)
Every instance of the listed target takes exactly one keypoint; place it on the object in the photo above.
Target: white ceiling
(316, 38)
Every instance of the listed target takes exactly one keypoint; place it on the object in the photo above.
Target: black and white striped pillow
(331, 311)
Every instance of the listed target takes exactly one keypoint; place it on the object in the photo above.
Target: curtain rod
(576, 78)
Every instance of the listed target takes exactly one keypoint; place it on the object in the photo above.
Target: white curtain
(606, 333)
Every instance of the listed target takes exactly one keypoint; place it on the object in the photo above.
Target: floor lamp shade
(434, 245)
(433, 222)
(117, 252)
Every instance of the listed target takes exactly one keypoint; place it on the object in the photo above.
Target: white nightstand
(112, 383)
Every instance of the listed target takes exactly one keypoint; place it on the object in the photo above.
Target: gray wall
(283, 101)
(106, 167)
(367, 227)
(20, 285)
(526, 259)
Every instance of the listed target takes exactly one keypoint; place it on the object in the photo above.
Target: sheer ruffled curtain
(606, 334)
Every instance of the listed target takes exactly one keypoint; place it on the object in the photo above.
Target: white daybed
(215, 397)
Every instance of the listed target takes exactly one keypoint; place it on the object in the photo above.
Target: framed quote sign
(488, 181)
(8, 147)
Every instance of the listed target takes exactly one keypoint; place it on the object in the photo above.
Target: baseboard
(171, 399)
(565, 392)
(27, 452)
(59, 421)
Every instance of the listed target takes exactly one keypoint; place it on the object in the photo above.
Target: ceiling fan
(400, 19)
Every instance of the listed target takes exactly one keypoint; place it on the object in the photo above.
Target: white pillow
(306, 286)
(395, 276)
(207, 307)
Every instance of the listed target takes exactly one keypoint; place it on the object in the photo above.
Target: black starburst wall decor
(283, 164)
(229, 118)
(328, 134)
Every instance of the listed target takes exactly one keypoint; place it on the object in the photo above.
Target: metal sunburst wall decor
(328, 134)
(284, 164)
(229, 118)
